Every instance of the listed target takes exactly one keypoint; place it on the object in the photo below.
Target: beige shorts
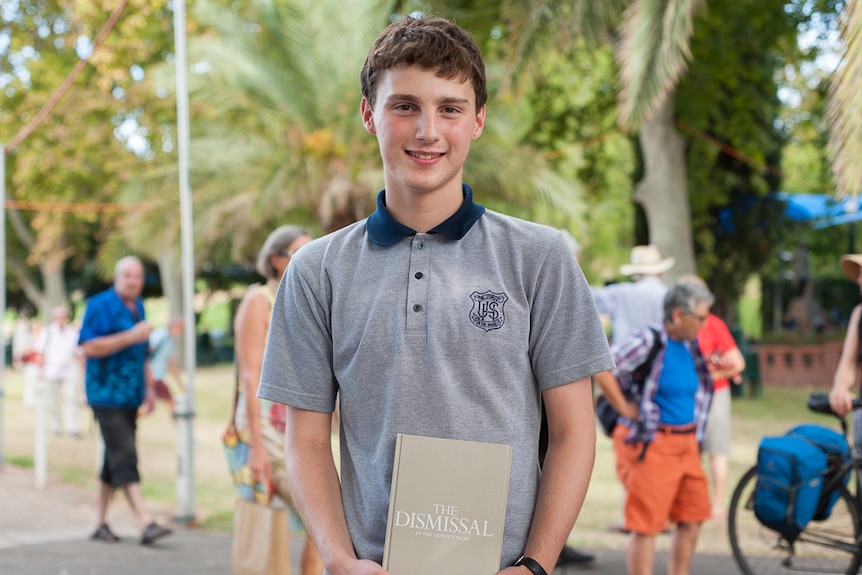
(716, 440)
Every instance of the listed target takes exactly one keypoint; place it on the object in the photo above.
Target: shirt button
(421, 245)
(418, 275)
(417, 308)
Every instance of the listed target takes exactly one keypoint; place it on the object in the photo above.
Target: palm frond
(505, 172)
(532, 25)
(844, 109)
(653, 51)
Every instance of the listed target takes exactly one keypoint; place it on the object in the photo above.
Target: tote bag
(261, 541)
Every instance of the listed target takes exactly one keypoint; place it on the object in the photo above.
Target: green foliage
(80, 477)
(219, 521)
(572, 107)
(276, 135)
(730, 96)
(216, 316)
(20, 461)
(77, 154)
(845, 101)
(275, 130)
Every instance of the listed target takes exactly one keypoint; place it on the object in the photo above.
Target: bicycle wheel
(828, 546)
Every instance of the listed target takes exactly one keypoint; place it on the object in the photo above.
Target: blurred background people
(163, 363)
(848, 374)
(114, 338)
(60, 373)
(725, 362)
(638, 303)
(633, 305)
(25, 356)
(662, 424)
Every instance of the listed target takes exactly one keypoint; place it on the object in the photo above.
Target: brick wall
(798, 365)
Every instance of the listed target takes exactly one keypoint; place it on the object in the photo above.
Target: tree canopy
(276, 135)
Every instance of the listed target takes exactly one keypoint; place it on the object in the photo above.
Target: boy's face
(424, 126)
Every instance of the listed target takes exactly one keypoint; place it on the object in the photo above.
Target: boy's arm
(316, 491)
(565, 474)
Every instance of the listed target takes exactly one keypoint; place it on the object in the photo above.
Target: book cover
(447, 507)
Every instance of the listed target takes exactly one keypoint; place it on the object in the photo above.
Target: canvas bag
(834, 446)
(789, 480)
(261, 541)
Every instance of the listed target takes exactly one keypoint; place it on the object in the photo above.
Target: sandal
(104, 533)
(152, 532)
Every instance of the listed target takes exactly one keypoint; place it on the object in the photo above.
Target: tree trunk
(663, 191)
(54, 293)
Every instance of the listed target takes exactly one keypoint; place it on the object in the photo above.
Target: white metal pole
(185, 491)
(40, 440)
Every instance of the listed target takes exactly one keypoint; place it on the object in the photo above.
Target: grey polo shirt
(451, 333)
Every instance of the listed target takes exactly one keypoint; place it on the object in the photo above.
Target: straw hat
(646, 260)
(850, 264)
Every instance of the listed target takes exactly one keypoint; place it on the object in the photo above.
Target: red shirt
(714, 337)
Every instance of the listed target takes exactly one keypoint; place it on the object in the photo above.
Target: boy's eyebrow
(413, 98)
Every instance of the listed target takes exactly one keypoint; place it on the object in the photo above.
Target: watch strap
(530, 564)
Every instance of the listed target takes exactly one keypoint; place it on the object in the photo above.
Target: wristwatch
(530, 564)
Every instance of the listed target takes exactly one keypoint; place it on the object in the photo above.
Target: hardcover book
(447, 507)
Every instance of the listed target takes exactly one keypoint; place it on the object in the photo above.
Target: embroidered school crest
(487, 312)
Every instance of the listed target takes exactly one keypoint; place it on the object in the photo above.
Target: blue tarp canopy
(820, 210)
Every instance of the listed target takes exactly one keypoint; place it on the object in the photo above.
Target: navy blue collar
(384, 230)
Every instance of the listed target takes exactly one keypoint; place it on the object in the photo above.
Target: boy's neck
(424, 211)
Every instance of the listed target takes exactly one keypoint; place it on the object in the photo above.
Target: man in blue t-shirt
(114, 338)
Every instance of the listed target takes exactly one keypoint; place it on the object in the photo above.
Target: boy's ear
(480, 123)
(367, 116)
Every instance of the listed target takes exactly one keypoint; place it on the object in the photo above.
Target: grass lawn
(75, 460)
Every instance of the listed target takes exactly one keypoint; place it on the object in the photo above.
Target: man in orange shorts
(662, 422)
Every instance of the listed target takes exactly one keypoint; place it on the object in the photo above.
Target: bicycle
(832, 545)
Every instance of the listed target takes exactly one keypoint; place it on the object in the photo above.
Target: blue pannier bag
(834, 446)
(789, 479)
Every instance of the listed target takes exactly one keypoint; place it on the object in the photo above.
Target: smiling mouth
(427, 156)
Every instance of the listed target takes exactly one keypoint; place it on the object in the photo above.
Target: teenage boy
(435, 317)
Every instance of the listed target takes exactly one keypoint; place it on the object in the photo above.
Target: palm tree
(652, 40)
(845, 106)
(276, 131)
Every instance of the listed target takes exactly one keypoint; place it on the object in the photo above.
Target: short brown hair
(432, 43)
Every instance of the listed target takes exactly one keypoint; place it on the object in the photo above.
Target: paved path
(45, 532)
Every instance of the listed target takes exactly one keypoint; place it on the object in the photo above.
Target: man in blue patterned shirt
(114, 338)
